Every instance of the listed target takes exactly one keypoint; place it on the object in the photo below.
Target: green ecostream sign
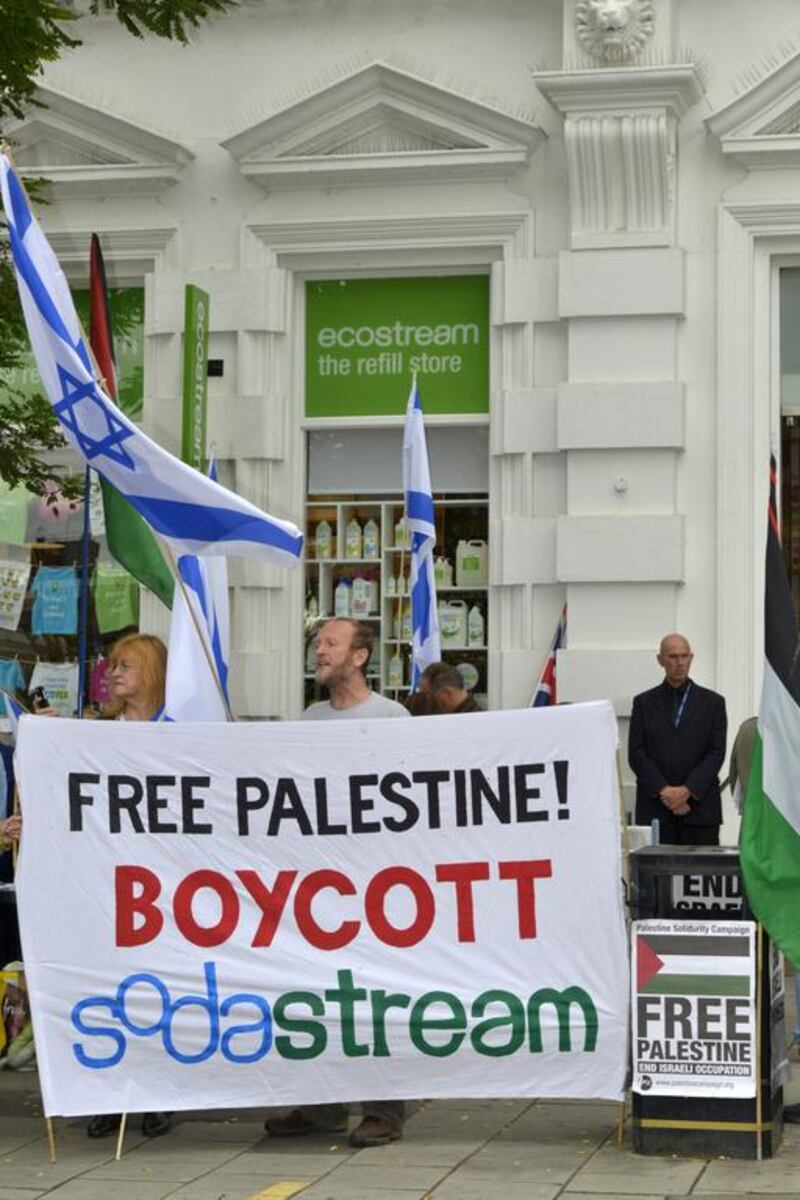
(366, 337)
(195, 377)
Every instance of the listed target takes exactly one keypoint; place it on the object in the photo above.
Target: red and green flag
(770, 838)
(669, 964)
(130, 539)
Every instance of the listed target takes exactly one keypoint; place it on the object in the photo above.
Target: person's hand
(683, 811)
(11, 828)
(676, 798)
(46, 712)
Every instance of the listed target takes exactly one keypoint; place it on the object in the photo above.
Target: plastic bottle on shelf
(372, 546)
(476, 630)
(400, 584)
(438, 573)
(342, 599)
(401, 540)
(396, 671)
(391, 586)
(405, 623)
(361, 597)
(312, 608)
(353, 539)
(322, 540)
(447, 573)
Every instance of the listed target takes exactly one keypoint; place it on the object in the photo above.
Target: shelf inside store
(463, 649)
(350, 617)
(373, 675)
(460, 649)
(466, 587)
(346, 562)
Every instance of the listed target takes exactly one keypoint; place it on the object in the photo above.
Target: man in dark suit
(676, 747)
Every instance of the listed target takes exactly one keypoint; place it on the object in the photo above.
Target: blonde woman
(137, 675)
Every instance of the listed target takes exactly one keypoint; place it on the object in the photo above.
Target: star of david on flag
(94, 411)
(193, 513)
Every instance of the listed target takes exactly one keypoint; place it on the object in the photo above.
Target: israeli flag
(13, 710)
(194, 690)
(192, 513)
(425, 647)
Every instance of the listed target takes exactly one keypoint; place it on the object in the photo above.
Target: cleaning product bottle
(396, 671)
(352, 539)
(322, 540)
(341, 602)
(476, 631)
(372, 547)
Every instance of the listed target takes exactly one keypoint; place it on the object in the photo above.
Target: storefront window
(365, 338)
(40, 551)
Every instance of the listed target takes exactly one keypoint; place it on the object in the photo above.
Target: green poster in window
(127, 320)
(366, 337)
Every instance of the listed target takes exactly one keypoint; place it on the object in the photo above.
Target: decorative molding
(129, 253)
(761, 128)
(419, 230)
(82, 150)
(676, 88)
(614, 31)
(381, 124)
(621, 142)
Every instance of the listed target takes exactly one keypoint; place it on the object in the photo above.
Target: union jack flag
(545, 691)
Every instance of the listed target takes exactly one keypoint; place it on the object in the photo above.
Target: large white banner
(236, 915)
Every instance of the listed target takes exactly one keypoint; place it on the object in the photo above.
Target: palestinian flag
(669, 964)
(770, 837)
(130, 539)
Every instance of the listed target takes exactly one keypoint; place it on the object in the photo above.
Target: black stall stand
(664, 880)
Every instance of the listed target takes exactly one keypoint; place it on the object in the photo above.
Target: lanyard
(682, 705)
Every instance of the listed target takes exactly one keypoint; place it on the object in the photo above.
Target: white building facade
(626, 175)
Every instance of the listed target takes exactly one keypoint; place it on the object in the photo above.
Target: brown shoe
(297, 1124)
(374, 1131)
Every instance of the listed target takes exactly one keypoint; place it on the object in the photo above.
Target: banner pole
(759, 1043)
(626, 879)
(121, 1136)
(51, 1139)
(625, 827)
(83, 604)
(16, 810)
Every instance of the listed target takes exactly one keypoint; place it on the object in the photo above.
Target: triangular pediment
(380, 123)
(761, 127)
(81, 149)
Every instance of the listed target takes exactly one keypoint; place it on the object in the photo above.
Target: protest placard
(694, 1008)
(278, 913)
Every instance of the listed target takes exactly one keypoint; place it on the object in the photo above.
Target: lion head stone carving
(614, 31)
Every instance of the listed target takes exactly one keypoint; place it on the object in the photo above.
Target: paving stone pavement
(452, 1150)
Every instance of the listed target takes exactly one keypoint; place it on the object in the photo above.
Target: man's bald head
(675, 656)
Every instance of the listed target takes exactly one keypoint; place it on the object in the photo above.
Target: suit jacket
(661, 755)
